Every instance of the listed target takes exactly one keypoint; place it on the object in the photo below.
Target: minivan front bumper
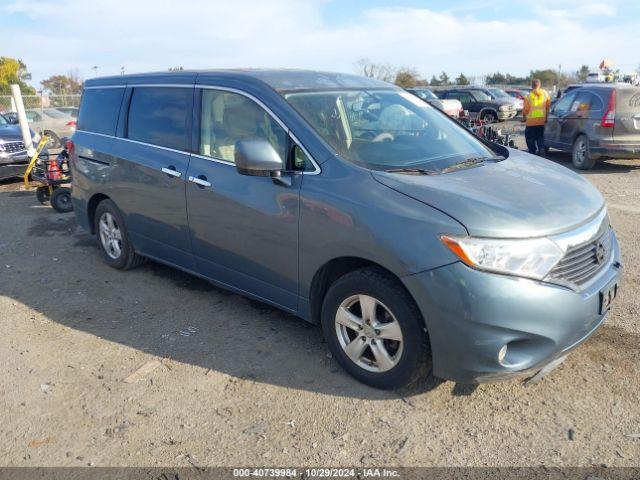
(471, 315)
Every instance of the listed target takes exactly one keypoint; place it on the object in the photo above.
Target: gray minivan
(594, 122)
(352, 204)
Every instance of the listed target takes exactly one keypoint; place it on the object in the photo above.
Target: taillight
(609, 118)
(72, 123)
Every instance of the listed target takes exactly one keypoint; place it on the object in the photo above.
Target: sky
(475, 37)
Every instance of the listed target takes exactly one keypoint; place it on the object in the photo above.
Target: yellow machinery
(53, 177)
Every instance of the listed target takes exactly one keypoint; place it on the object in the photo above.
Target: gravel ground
(226, 381)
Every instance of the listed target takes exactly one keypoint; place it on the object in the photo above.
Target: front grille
(12, 147)
(583, 262)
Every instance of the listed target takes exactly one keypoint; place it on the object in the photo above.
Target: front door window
(228, 117)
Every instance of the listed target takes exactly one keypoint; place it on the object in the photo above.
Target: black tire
(54, 140)
(61, 200)
(415, 356)
(43, 195)
(127, 257)
(489, 117)
(581, 155)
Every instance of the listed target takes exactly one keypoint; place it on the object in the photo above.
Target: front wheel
(374, 329)
(489, 117)
(580, 155)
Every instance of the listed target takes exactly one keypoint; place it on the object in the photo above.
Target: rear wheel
(61, 200)
(374, 329)
(581, 156)
(113, 238)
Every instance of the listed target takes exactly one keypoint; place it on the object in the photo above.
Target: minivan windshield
(388, 129)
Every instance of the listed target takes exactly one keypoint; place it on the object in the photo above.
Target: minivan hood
(10, 133)
(522, 196)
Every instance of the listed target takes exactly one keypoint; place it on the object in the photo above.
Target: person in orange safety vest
(534, 114)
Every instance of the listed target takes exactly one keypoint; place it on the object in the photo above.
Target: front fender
(345, 212)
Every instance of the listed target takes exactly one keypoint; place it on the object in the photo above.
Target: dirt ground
(237, 382)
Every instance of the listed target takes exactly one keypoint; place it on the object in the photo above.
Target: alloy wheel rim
(110, 235)
(369, 333)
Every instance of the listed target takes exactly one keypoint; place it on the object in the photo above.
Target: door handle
(200, 180)
(171, 170)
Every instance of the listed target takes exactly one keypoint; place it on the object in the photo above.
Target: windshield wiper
(469, 162)
(412, 171)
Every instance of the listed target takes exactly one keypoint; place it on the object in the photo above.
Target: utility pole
(122, 70)
(559, 74)
(95, 70)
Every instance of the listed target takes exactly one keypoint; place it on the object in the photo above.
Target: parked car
(350, 203)
(480, 104)
(498, 93)
(71, 111)
(451, 107)
(13, 154)
(596, 77)
(596, 121)
(52, 122)
(516, 93)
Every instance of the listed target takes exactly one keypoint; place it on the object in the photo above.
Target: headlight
(531, 258)
(504, 108)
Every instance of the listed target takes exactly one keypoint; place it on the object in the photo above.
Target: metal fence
(40, 101)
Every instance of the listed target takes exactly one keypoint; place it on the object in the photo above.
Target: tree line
(408, 77)
(14, 71)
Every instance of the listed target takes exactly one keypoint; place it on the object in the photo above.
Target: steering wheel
(384, 137)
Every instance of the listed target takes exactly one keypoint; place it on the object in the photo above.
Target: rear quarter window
(99, 110)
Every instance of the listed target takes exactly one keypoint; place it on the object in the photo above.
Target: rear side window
(99, 110)
(597, 106)
(581, 104)
(160, 116)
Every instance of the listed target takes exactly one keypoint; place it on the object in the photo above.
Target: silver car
(52, 122)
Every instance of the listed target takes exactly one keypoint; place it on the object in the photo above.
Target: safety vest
(537, 104)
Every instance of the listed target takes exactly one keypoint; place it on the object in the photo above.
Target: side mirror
(258, 158)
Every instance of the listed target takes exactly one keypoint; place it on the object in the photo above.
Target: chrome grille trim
(584, 234)
(11, 147)
(580, 263)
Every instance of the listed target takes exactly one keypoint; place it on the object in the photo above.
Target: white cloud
(148, 35)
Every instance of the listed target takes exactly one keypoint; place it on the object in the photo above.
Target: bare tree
(379, 71)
